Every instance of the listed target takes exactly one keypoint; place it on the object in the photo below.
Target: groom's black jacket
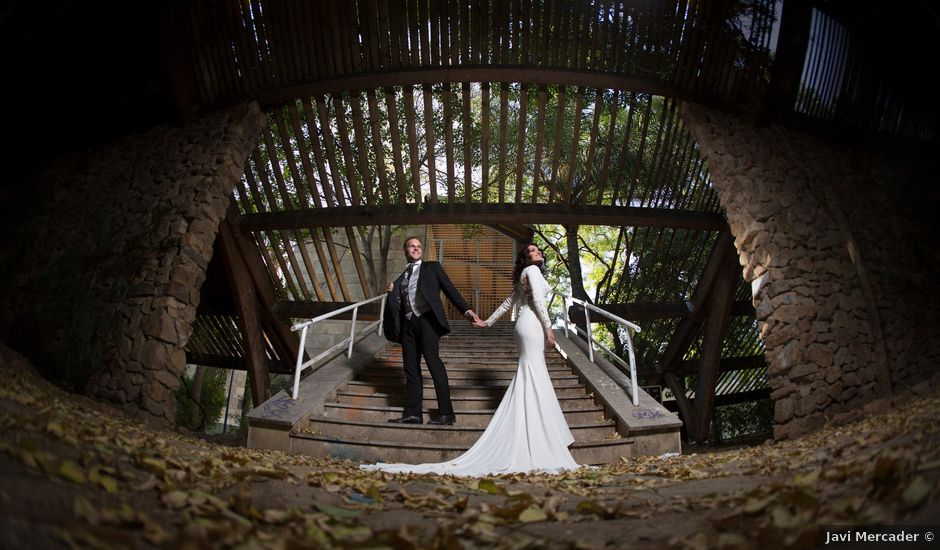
(431, 281)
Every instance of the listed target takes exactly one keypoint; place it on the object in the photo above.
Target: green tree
(201, 415)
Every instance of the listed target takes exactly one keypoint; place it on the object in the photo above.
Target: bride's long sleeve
(538, 286)
(502, 309)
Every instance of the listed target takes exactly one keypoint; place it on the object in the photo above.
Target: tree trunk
(574, 270)
(195, 391)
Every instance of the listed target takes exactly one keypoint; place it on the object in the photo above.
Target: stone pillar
(109, 270)
(830, 239)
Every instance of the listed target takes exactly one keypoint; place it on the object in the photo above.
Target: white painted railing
(630, 327)
(304, 326)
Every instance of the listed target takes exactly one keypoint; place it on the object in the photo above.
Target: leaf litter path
(77, 473)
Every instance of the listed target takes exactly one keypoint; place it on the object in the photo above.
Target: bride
(528, 432)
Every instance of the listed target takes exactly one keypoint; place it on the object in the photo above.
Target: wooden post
(246, 304)
(719, 313)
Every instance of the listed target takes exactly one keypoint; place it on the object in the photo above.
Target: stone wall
(102, 278)
(836, 245)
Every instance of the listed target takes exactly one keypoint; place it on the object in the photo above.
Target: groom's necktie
(406, 289)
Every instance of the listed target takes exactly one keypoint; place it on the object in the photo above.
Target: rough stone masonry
(836, 245)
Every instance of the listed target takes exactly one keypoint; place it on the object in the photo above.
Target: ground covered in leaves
(76, 473)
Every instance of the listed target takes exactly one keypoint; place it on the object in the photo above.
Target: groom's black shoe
(407, 420)
(443, 420)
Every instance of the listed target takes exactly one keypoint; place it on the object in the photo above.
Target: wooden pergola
(507, 113)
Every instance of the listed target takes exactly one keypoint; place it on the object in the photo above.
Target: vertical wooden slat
(375, 42)
(277, 121)
(434, 37)
(415, 160)
(359, 133)
(608, 147)
(554, 36)
(665, 147)
(391, 106)
(378, 145)
(397, 45)
(422, 23)
(642, 149)
(485, 141)
(567, 190)
(325, 181)
(520, 140)
(467, 162)
(444, 23)
(324, 264)
(558, 135)
(337, 263)
(539, 136)
(275, 167)
(339, 109)
(430, 141)
(304, 154)
(414, 43)
(256, 196)
(624, 152)
(449, 142)
(590, 174)
(357, 261)
(384, 34)
(285, 239)
(328, 144)
(259, 244)
(501, 174)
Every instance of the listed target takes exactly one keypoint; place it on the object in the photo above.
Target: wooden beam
(719, 315)
(249, 319)
(682, 337)
(285, 342)
(489, 214)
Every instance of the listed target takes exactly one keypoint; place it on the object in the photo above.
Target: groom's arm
(453, 294)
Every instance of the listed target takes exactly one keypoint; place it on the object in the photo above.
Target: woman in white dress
(528, 432)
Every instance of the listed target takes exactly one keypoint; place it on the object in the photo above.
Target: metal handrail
(631, 327)
(305, 325)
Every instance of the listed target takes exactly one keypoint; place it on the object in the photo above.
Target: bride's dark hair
(522, 261)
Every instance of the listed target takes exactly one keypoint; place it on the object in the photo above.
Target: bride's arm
(539, 288)
(502, 309)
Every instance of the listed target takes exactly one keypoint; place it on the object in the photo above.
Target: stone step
(397, 368)
(457, 434)
(495, 388)
(454, 376)
(475, 359)
(604, 451)
(465, 417)
(460, 402)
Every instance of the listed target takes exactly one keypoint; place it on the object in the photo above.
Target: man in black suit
(415, 318)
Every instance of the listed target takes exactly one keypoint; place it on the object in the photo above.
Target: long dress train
(528, 432)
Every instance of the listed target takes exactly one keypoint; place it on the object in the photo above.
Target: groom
(414, 317)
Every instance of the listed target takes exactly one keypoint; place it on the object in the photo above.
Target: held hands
(390, 287)
(475, 319)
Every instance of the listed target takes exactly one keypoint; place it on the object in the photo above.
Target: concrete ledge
(269, 424)
(655, 428)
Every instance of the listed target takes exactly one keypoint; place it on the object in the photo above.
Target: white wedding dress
(528, 432)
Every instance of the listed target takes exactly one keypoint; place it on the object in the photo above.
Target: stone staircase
(353, 423)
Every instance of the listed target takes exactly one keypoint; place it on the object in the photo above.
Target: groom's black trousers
(420, 339)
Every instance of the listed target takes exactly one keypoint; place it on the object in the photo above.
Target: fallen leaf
(335, 511)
